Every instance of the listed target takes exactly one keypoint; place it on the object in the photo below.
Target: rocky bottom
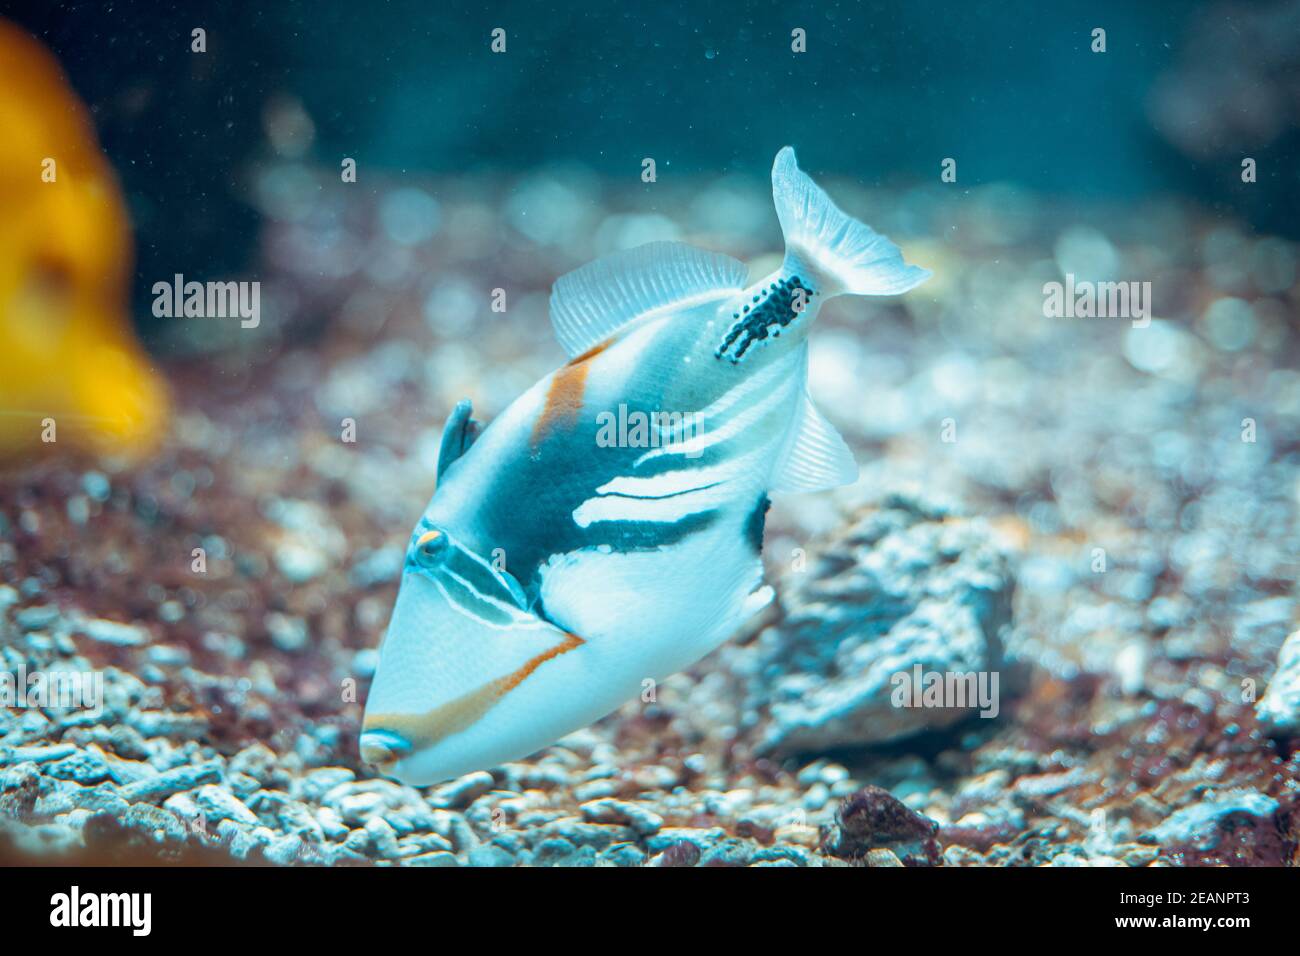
(1068, 773)
(1100, 516)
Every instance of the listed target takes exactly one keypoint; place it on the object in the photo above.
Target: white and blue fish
(555, 570)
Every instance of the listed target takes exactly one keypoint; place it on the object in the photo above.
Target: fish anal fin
(815, 458)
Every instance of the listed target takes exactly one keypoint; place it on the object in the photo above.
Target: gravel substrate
(1099, 534)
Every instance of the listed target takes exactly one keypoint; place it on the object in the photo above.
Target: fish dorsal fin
(457, 435)
(816, 457)
(593, 303)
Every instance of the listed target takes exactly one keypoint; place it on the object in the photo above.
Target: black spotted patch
(765, 315)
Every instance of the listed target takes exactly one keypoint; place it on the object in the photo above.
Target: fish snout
(383, 748)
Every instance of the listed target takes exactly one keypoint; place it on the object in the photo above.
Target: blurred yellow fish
(71, 370)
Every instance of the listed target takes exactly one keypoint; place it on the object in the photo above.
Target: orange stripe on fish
(564, 397)
(426, 729)
(518, 677)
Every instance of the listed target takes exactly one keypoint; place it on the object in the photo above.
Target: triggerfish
(571, 552)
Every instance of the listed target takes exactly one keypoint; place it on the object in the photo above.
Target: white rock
(1279, 708)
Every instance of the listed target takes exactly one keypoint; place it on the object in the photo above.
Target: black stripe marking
(646, 535)
(756, 523)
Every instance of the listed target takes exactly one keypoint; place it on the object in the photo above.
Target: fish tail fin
(838, 254)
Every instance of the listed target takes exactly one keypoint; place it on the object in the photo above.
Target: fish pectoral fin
(591, 304)
(457, 435)
(815, 458)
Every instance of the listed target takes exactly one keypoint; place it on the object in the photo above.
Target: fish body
(605, 529)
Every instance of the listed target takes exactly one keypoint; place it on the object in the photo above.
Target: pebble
(358, 841)
(1049, 784)
(96, 485)
(641, 819)
(797, 855)
(595, 835)
(383, 838)
(463, 791)
(240, 839)
(683, 853)
(656, 777)
(424, 843)
(882, 856)
(958, 855)
(552, 848)
(315, 784)
(700, 838)
(357, 808)
(220, 804)
(285, 850)
(111, 632)
(82, 767)
(623, 854)
(1279, 708)
(56, 802)
(490, 855)
(184, 806)
(36, 754)
(595, 790)
(156, 822)
(257, 761)
(241, 784)
(376, 566)
(1199, 825)
(158, 723)
(288, 633)
(330, 823)
(728, 852)
(456, 828)
(799, 834)
(299, 562)
(101, 798)
(167, 655)
(159, 788)
(36, 618)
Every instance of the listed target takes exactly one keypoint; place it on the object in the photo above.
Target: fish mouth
(383, 748)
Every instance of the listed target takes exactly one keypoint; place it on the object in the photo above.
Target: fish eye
(429, 548)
